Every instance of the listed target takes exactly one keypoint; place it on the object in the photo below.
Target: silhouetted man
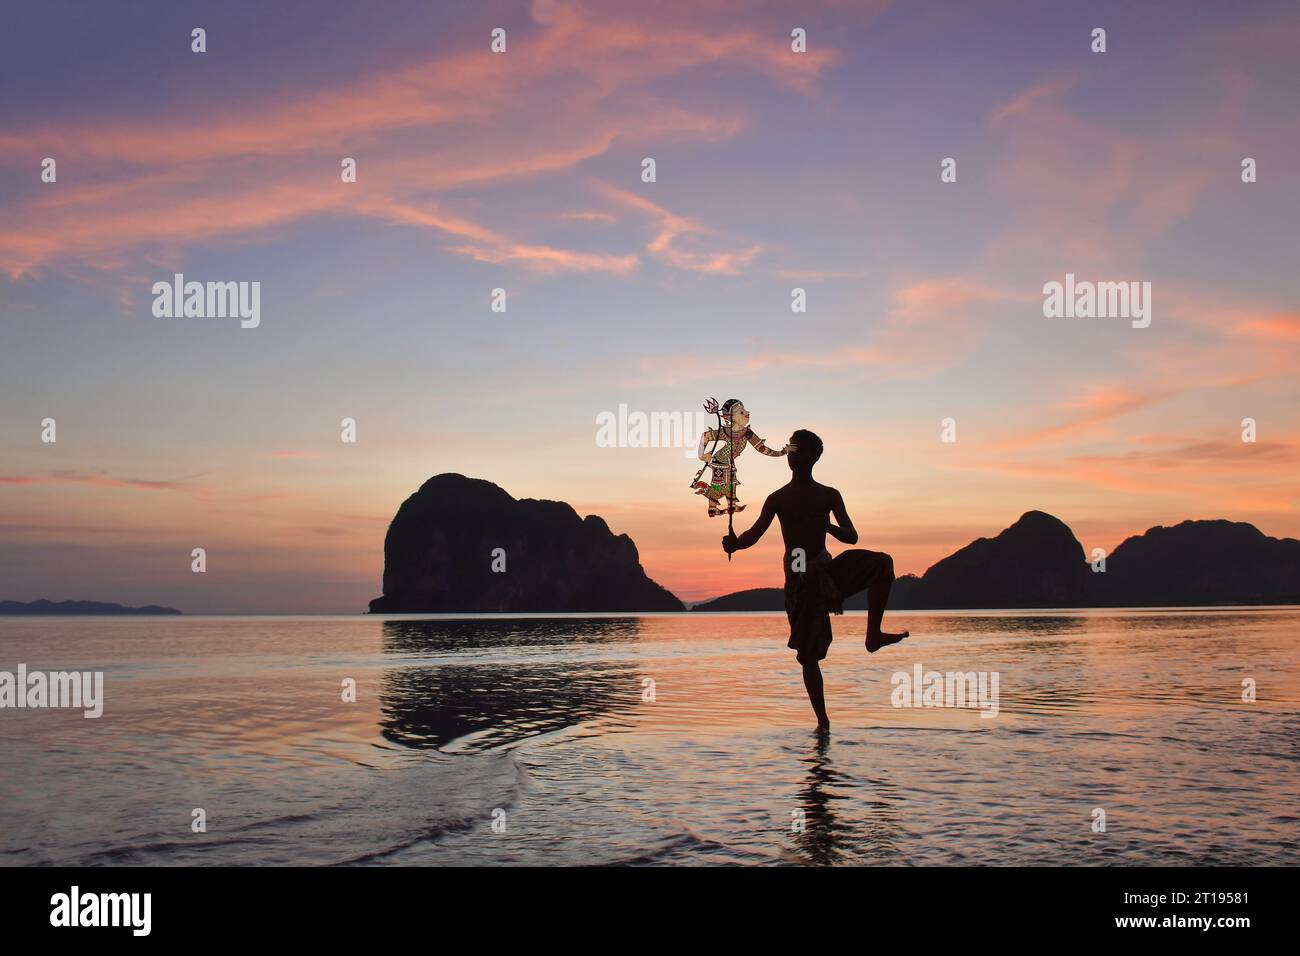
(815, 584)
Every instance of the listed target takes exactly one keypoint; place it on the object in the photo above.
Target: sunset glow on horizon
(522, 171)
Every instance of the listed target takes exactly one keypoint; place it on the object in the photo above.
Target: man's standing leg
(812, 682)
(810, 636)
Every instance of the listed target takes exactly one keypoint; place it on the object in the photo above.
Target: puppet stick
(717, 435)
(731, 500)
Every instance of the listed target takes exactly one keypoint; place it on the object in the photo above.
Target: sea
(1094, 737)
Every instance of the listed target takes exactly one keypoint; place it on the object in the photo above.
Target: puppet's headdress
(712, 407)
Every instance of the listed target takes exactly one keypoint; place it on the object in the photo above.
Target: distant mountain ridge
(465, 545)
(1038, 562)
(43, 606)
(1230, 561)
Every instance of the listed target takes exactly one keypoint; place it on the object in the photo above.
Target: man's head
(808, 448)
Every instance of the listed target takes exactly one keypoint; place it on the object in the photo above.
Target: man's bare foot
(883, 639)
(823, 727)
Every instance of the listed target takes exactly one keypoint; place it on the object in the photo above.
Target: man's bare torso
(803, 508)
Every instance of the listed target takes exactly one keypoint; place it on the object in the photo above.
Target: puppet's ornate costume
(719, 449)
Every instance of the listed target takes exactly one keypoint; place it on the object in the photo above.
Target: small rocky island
(465, 545)
(43, 606)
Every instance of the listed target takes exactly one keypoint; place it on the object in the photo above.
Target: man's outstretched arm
(845, 531)
(750, 537)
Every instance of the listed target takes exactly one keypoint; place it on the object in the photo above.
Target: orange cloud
(1279, 328)
(1098, 405)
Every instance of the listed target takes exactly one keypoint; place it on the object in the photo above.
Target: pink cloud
(540, 111)
(99, 480)
(684, 243)
(1126, 188)
(930, 326)
(1036, 100)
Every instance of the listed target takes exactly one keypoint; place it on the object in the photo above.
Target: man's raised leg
(877, 598)
(873, 570)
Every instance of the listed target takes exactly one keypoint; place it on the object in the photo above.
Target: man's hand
(844, 531)
(789, 447)
(731, 543)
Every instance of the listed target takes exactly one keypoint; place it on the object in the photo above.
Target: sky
(523, 171)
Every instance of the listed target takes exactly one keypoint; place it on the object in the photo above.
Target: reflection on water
(844, 820)
(545, 721)
(816, 829)
(491, 702)
(427, 636)
(1038, 626)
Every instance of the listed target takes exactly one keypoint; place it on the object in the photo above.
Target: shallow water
(545, 725)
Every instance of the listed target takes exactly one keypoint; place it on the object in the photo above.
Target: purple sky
(522, 171)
